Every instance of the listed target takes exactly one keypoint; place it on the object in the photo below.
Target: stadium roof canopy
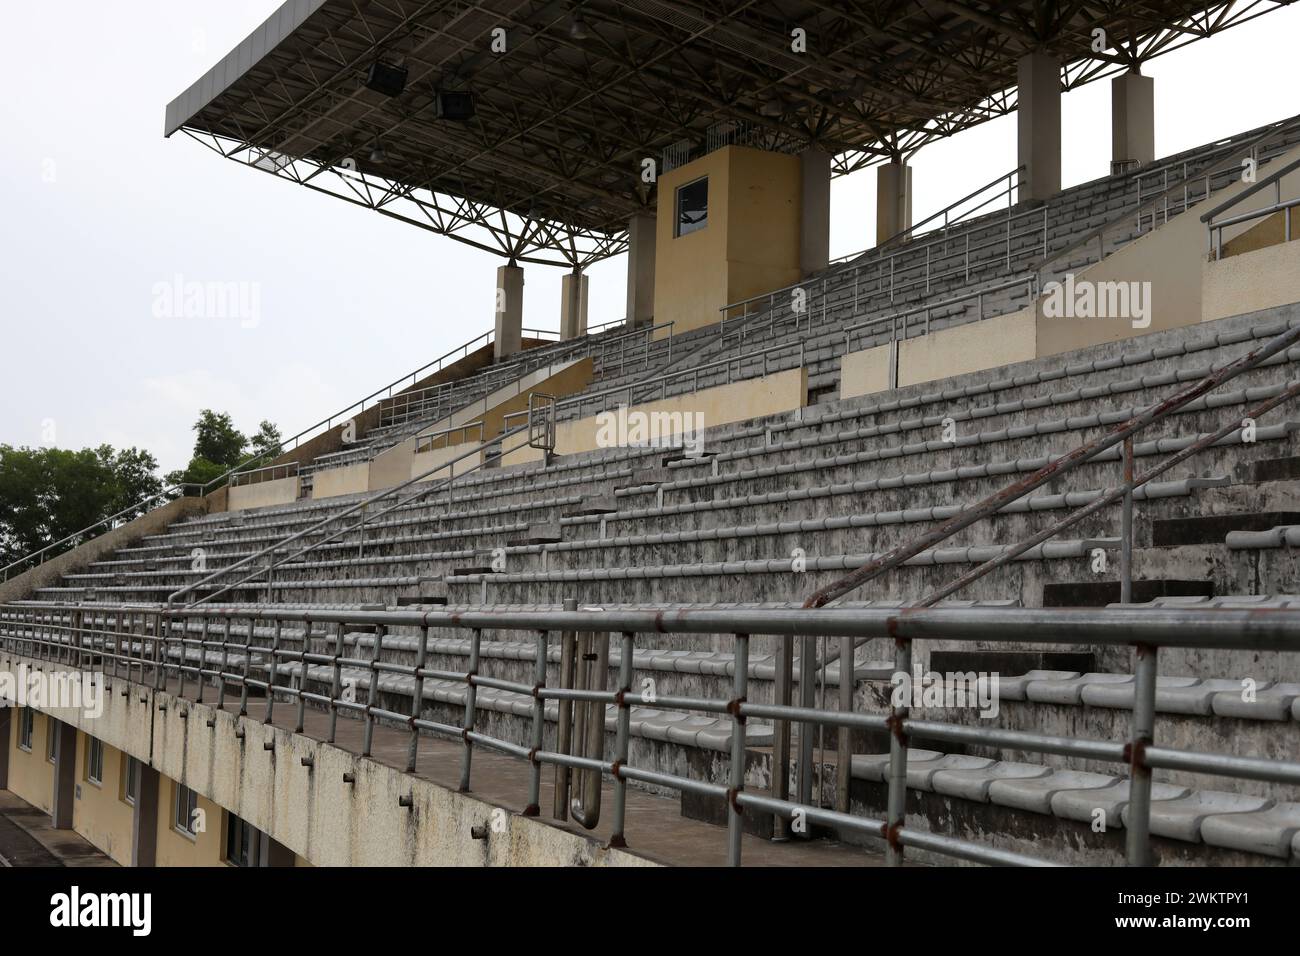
(549, 169)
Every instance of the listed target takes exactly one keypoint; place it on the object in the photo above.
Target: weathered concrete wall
(262, 494)
(347, 480)
(311, 810)
(1251, 281)
(968, 348)
(48, 574)
(739, 401)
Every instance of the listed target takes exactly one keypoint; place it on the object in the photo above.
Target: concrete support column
(144, 816)
(509, 311)
(573, 306)
(815, 211)
(1132, 120)
(893, 199)
(641, 270)
(1039, 126)
(65, 774)
(5, 731)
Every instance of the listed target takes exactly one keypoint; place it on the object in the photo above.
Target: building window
(243, 842)
(51, 738)
(692, 206)
(187, 802)
(94, 761)
(25, 724)
(130, 780)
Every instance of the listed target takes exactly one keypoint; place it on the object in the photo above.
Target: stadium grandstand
(973, 547)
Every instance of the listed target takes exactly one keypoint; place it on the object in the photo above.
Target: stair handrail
(1053, 469)
(1215, 229)
(1267, 135)
(363, 504)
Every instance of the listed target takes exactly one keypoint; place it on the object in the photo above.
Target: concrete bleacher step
(1275, 469)
(967, 788)
(1103, 593)
(1214, 529)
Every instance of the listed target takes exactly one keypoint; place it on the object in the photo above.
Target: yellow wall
(100, 813)
(281, 491)
(739, 401)
(1251, 281)
(750, 245)
(348, 480)
(31, 776)
(178, 849)
(968, 348)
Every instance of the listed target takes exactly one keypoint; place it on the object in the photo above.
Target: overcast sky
(98, 210)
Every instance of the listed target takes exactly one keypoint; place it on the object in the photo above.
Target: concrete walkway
(27, 838)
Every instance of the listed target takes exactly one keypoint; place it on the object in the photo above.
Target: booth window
(692, 206)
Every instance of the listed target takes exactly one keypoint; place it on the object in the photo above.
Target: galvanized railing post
(735, 813)
(564, 726)
(807, 699)
(781, 736)
(1138, 822)
(619, 836)
(248, 664)
(539, 728)
(372, 693)
(336, 683)
(273, 670)
(898, 713)
(471, 696)
(417, 698)
(843, 738)
(221, 665)
(1126, 528)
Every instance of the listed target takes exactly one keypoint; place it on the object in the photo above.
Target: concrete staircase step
(1102, 593)
(1214, 529)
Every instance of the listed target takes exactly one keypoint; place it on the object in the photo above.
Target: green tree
(265, 443)
(47, 494)
(217, 439)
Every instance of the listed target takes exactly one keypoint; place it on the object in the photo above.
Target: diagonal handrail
(448, 465)
(1107, 499)
(1267, 136)
(1052, 470)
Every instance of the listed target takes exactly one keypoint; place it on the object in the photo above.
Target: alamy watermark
(965, 690)
(1086, 299)
(625, 428)
(53, 690)
(187, 299)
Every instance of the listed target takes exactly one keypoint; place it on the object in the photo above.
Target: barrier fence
(153, 646)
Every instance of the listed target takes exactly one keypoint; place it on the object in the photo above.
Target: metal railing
(288, 469)
(950, 216)
(272, 552)
(657, 386)
(1180, 194)
(1215, 226)
(899, 322)
(152, 646)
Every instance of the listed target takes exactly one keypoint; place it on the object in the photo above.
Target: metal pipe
(471, 697)
(735, 813)
(619, 837)
(897, 799)
(563, 733)
(1126, 528)
(539, 729)
(1138, 821)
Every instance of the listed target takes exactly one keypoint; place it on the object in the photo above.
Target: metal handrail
(88, 636)
(1030, 281)
(855, 260)
(913, 229)
(662, 380)
(272, 469)
(1052, 470)
(448, 465)
(425, 441)
(1215, 229)
(1267, 136)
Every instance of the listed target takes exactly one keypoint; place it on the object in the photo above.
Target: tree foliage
(47, 494)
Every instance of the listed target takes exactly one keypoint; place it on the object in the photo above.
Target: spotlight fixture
(578, 29)
(386, 78)
(775, 106)
(377, 155)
